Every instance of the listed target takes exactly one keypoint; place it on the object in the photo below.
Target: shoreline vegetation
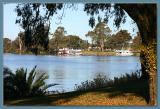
(104, 53)
(35, 36)
(85, 53)
(128, 89)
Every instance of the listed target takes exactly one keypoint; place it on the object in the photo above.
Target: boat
(70, 52)
(124, 53)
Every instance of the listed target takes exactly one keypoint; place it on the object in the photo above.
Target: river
(70, 70)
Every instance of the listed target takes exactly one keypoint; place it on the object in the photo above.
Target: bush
(19, 85)
(98, 82)
(101, 81)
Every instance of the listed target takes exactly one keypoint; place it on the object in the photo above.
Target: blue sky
(75, 22)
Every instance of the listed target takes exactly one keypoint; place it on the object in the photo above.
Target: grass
(83, 98)
(125, 90)
(98, 53)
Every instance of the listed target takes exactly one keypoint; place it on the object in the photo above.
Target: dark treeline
(102, 38)
(60, 40)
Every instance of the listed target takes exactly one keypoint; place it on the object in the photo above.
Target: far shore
(84, 53)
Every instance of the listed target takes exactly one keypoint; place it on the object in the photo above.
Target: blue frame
(77, 1)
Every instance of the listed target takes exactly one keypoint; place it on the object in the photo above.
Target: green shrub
(22, 84)
(101, 81)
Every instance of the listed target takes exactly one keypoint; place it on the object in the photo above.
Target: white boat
(67, 51)
(124, 53)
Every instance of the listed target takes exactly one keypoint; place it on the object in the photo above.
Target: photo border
(2, 2)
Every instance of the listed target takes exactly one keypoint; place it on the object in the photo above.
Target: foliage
(93, 37)
(100, 34)
(70, 41)
(150, 57)
(58, 36)
(15, 45)
(36, 26)
(137, 41)
(76, 42)
(101, 81)
(95, 8)
(98, 82)
(145, 15)
(149, 62)
(128, 83)
(60, 40)
(119, 40)
(7, 44)
(19, 85)
(98, 53)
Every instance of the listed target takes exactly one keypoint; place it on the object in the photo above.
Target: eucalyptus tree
(93, 37)
(100, 34)
(21, 41)
(35, 23)
(7, 45)
(103, 32)
(58, 36)
(119, 40)
(144, 15)
(137, 41)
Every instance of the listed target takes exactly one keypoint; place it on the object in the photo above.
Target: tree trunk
(92, 45)
(20, 45)
(101, 42)
(145, 17)
(153, 90)
(102, 46)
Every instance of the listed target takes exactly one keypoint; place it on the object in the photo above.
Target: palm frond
(48, 86)
(31, 76)
(40, 82)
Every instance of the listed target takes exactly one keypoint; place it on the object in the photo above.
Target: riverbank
(128, 89)
(84, 53)
(101, 97)
(98, 53)
(105, 53)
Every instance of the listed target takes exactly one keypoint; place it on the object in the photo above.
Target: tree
(36, 26)
(100, 34)
(7, 45)
(69, 41)
(15, 45)
(75, 42)
(137, 41)
(20, 85)
(119, 40)
(144, 15)
(21, 36)
(93, 37)
(103, 32)
(58, 36)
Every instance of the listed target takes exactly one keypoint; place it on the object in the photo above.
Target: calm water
(70, 70)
